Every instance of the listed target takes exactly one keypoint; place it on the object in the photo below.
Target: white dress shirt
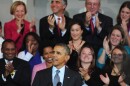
(61, 73)
(56, 18)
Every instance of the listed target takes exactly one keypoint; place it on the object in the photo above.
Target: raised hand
(19, 23)
(88, 18)
(106, 45)
(51, 21)
(105, 79)
(98, 23)
(84, 73)
(124, 25)
(32, 24)
(9, 68)
(121, 78)
(62, 23)
(30, 47)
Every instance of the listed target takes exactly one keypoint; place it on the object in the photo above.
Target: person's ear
(64, 6)
(67, 58)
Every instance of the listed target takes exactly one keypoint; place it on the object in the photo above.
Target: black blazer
(46, 35)
(96, 40)
(44, 78)
(22, 76)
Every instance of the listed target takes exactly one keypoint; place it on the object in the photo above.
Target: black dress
(95, 78)
(72, 63)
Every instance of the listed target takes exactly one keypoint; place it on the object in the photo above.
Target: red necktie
(59, 33)
(92, 25)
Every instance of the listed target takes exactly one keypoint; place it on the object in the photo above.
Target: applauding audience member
(18, 27)
(54, 28)
(87, 68)
(114, 74)
(76, 42)
(115, 38)
(97, 25)
(13, 71)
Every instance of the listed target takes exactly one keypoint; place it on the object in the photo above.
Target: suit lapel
(67, 77)
(49, 77)
(2, 65)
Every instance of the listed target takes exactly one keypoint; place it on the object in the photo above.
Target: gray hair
(99, 2)
(67, 49)
(65, 2)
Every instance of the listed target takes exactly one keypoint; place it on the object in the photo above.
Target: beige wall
(40, 8)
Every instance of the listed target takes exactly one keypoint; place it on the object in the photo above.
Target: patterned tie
(56, 78)
(92, 25)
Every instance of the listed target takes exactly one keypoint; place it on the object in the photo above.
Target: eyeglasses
(117, 55)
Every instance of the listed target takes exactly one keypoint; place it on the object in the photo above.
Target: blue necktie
(56, 78)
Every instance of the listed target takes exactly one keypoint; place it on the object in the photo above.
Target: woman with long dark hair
(31, 49)
(86, 64)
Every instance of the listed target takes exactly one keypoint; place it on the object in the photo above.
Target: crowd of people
(86, 50)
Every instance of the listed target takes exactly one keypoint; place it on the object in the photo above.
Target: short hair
(65, 2)
(67, 49)
(15, 5)
(99, 2)
(8, 41)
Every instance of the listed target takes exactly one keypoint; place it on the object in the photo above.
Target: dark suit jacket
(44, 78)
(46, 35)
(22, 76)
(96, 40)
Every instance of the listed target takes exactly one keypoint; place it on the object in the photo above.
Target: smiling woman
(115, 38)
(115, 74)
(76, 42)
(18, 27)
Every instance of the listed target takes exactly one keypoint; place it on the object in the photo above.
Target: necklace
(116, 72)
(76, 47)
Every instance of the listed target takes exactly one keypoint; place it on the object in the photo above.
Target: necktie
(59, 33)
(56, 78)
(92, 25)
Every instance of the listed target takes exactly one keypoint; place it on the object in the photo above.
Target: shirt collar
(56, 18)
(61, 69)
(7, 61)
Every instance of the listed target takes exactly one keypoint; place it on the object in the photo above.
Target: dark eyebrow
(52, 1)
(57, 52)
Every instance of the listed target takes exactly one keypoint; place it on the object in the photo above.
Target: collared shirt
(56, 18)
(94, 23)
(61, 73)
(12, 74)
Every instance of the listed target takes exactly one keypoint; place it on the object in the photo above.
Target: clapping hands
(9, 68)
(106, 45)
(51, 21)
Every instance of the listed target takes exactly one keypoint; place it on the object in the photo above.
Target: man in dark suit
(13, 71)
(97, 25)
(67, 77)
(54, 28)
